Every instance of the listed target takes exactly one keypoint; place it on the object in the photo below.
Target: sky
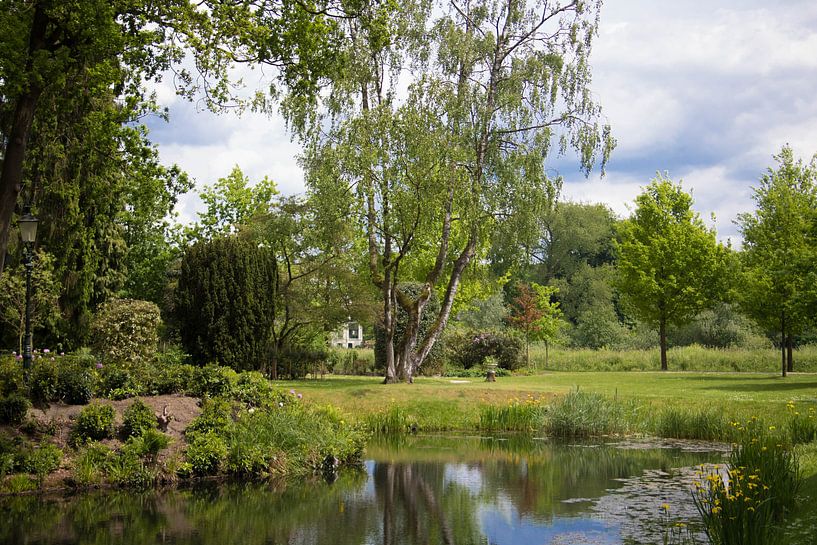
(705, 91)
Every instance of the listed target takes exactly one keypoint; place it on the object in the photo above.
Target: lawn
(457, 401)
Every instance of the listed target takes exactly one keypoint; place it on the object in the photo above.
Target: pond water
(415, 490)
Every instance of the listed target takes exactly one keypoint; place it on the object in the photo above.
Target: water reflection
(418, 490)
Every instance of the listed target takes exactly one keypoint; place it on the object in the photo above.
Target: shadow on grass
(758, 384)
(333, 383)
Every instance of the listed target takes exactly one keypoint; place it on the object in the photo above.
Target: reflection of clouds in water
(500, 531)
(466, 476)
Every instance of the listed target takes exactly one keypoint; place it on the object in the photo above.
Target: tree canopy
(671, 265)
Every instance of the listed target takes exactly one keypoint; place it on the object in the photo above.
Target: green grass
(445, 403)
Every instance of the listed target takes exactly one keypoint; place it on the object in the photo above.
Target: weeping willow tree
(432, 170)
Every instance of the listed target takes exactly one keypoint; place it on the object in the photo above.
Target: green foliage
(391, 421)
(45, 291)
(126, 330)
(11, 375)
(41, 460)
(747, 505)
(670, 265)
(76, 381)
(94, 422)
(137, 419)
(471, 349)
(216, 417)
(147, 445)
(254, 390)
(225, 302)
(583, 414)
(230, 203)
(707, 423)
(44, 382)
(517, 415)
(801, 423)
(206, 452)
(780, 247)
(213, 381)
(13, 409)
(91, 463)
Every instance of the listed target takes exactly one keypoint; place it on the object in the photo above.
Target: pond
(418, 489)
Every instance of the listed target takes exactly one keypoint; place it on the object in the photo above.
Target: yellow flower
(665, 506)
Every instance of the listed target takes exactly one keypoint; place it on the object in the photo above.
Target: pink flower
(99, 366)
(19, 357)
(300, 396)
(46, 351)
(62, 353)
(292, 392)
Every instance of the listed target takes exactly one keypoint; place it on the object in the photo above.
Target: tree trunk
(662, 332)
(11, 176)
(783, 341)
(789, 353)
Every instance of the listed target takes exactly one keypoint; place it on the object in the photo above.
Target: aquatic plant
(746, 504)
(801, 424)
(584, 414)
(517, 415)
(707, 423)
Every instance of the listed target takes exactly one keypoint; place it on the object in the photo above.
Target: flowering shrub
(126, 330)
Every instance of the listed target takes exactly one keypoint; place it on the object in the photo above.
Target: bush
(76, 383)
(205, 453)
(44, 382)
(11, 376)
(94, 422)
(297, 361)
(213, 381)
(172, 378)
(126, 330)
(216, 416)
(254, 390)
(137, 419)
(13, 409)
(42, 460)
(92, 462)
(471, 349)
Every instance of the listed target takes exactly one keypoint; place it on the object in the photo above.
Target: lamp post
(28, 232)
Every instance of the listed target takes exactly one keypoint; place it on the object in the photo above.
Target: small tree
(536, 316)
(670, 265)
(44, 300)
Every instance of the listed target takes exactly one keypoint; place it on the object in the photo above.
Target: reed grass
(518, 415)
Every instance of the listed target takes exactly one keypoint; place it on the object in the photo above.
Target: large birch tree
(441, 135)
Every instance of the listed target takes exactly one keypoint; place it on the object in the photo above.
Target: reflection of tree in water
(418, 506)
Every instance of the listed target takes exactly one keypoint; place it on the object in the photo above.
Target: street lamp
(28, 232)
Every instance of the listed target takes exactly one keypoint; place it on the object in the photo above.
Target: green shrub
(473, 348)
(216, 416)
(205, 453)
(254, 390)
(42, 460)
(94, 422)
(91, 463)
(13, 409)
(76, 383)
(11, 375)
(213, 380)
(126, 330)
(44, 382)
(137, 419)
(113, 377)
(128, 470)
(148, 444)
(172, 378)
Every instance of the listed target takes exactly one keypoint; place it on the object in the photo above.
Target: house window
(354, 331)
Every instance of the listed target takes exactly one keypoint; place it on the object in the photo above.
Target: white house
(348, 336)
